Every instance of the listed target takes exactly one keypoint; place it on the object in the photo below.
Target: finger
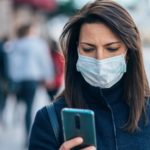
(71, 143)
(89, 148)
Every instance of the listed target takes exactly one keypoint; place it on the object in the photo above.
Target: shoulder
(58, 104)
(42, 135)
(42, 113)
(146, 116)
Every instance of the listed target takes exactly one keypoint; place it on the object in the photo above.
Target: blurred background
(32, 64)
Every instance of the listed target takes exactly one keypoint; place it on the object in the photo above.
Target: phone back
(79, 123)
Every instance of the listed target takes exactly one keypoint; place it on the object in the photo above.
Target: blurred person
(3, 76)
(58, 61)
(104, 72)
(29, 64)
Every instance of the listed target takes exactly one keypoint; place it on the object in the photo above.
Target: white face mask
(101, 73)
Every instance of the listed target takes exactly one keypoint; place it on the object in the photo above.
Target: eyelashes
(90, 49)
(112, 49)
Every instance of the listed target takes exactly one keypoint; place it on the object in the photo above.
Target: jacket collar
(99, 96)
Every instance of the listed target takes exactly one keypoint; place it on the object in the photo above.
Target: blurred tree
(63, 7)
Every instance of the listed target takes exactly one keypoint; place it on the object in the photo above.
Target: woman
(104, 72)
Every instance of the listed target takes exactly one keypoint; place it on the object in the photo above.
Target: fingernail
(93, 148)
(80, 140)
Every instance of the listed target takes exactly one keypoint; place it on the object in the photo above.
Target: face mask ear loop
(125, 53)
(78, 51)
(125, 56)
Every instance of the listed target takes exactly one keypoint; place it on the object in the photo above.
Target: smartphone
(79, 123)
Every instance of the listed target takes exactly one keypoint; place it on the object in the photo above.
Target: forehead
(96, 31)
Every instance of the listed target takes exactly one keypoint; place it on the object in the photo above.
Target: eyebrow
(112, 43)
(116, 42)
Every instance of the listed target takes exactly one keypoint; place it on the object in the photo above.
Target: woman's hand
(73, 143)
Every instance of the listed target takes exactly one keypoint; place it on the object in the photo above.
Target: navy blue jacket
(111, 113)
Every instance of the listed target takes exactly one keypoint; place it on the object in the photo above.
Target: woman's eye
(111, 49)
(89, 49)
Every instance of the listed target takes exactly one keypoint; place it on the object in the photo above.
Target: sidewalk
(11, 138)
(12, 132)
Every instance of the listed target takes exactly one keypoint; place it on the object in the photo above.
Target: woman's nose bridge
(100, 53)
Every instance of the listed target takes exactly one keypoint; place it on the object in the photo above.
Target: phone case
(79, 123)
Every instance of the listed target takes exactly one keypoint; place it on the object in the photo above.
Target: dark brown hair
(136, 87)
(23, 30)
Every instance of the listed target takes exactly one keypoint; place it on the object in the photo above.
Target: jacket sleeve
(42, 135)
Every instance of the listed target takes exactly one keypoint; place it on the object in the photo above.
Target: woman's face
(98, 41)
